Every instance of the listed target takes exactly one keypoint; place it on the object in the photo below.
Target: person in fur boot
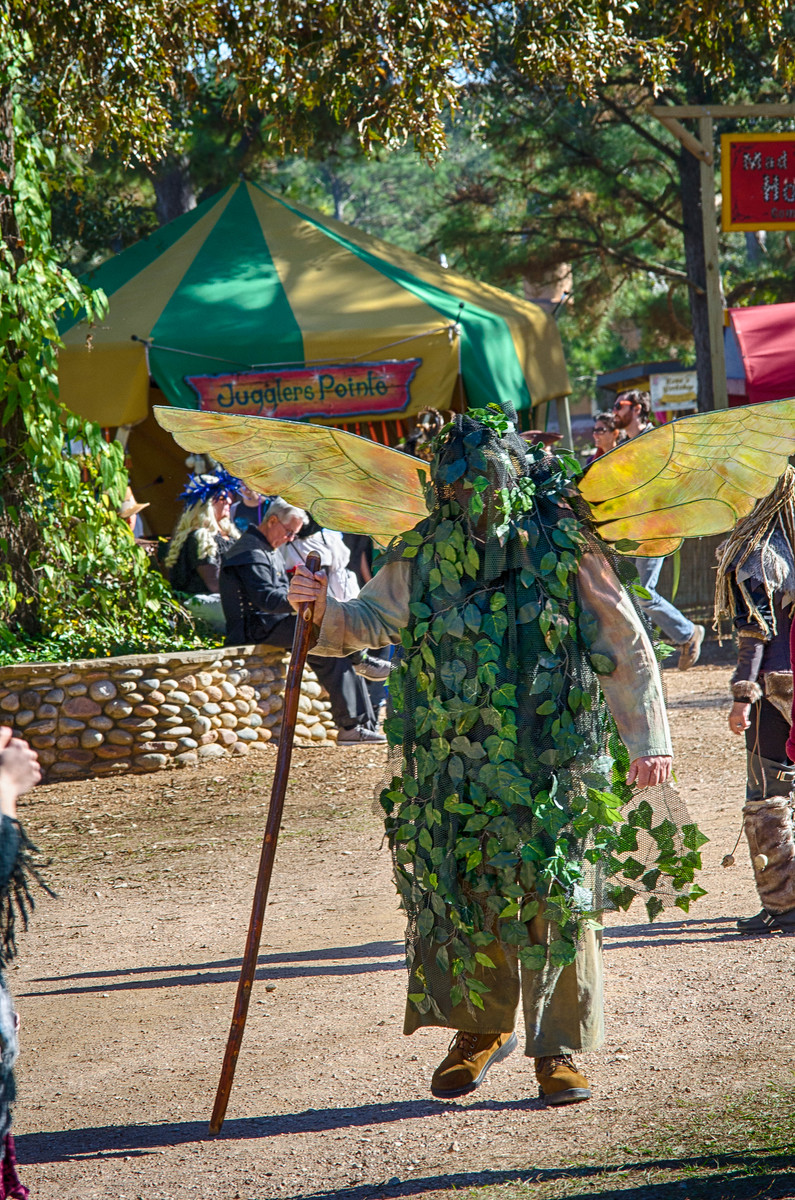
(756, 589)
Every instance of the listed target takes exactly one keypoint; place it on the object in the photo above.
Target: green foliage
(71, 575)
(93, 590)
(90, 638)
(514, 778)
(554, 166)
(386, 70)
(98, 208)
(118, 69)
(109, 69)
(392, 193)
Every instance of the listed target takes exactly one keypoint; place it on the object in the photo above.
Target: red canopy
(766, 333)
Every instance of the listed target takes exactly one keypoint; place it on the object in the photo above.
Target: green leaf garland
(512, 780)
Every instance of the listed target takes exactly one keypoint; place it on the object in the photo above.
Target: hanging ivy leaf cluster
(510, 777)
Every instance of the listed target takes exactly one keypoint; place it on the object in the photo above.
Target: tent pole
(564, 421)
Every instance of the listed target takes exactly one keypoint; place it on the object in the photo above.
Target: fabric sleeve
(213, 559)
(375, 618)
(290, 555)
(266, 591)
(752, 639)
(745, 680)
(192, 552)
(340, 554)
(791, 738)
(633, 691)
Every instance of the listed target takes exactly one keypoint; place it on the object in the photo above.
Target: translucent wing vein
(350, 483)
(691, 478)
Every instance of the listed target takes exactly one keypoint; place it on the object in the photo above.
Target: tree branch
(748, 286)
(639, 199)
(626, 119)
(593, 248)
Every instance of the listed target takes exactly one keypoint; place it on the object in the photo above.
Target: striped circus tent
(252, 304)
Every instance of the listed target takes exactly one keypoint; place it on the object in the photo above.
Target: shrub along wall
(145, 712)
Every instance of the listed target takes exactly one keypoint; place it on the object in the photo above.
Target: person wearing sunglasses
(254, 587)
(632, 415)
(606, 435)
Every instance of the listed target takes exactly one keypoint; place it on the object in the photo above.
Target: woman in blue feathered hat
(202, 535)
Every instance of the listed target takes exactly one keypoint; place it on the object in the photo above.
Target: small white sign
(674, 391)
(675, 406)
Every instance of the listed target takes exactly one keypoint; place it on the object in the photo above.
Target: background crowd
(230, 558)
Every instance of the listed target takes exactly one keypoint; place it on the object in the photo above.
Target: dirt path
(126, 983)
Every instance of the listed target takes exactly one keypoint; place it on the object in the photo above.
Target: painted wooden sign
(758, 180)
(331, 391)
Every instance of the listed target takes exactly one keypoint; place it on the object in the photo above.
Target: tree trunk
(695, 264)
(19, 535)
(173, 188)
(8, 225)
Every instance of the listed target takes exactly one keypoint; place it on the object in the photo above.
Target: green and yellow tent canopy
(255, 305)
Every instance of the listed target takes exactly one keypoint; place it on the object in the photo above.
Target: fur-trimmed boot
(769, 830)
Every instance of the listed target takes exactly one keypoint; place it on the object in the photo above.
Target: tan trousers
(563, 1006)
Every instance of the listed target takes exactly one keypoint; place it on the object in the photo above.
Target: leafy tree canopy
(562, 165)
(386, 69)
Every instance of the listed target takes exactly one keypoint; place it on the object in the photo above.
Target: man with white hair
(254, 585)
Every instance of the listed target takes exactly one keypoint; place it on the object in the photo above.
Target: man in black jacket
(253, 586)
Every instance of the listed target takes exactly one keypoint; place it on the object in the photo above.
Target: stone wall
(145, 712)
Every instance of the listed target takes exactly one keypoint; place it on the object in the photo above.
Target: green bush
(73, 583)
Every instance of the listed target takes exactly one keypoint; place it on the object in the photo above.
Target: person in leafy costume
(509, 773)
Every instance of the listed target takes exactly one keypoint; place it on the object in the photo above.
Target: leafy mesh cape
(508, 778)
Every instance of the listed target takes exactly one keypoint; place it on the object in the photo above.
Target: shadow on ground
(774, 1181)
(338, 961)
(672, 933)
(736, 1176)
(271, 966)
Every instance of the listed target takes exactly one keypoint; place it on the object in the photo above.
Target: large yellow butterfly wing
(348, 482)
(693, 477)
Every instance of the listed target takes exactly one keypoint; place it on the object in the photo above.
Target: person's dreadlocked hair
(773, 514)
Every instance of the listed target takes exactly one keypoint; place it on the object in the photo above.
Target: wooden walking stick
(303, 630)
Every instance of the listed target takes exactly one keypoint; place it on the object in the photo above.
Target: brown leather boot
(690, 651)
(468, 1059)
(559, 1081)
